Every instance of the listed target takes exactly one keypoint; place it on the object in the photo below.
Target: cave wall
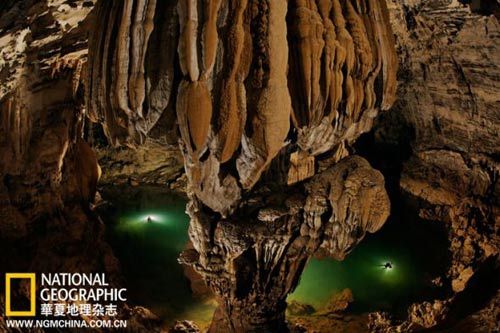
(449, 100)
(443, 131)
(48, 171)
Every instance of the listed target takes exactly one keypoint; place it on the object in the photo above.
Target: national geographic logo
(61, 294)
(9, 311)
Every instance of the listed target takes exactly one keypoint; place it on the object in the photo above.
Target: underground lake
(147, 228)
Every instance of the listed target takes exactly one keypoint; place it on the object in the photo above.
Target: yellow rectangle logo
(8, 307)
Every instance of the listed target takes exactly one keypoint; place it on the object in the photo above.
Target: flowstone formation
(269, 97)
(254, 259)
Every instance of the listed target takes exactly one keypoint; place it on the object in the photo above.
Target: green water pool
(148, 250)
(147, 228)
(410, 251)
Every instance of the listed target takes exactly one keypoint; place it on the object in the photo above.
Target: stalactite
(245, 68)
(232, 106)
(141, 31)
(188, 48)
(210, 37)
(345, 41)
(388, 48)
(118, 86)
(194, 112)
(358, 203)
(350, 62)
(121, 66)
(363, 55)
(160, 67)
(306, 48)
(270, 123)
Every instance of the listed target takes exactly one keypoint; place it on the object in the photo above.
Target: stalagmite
(265, 104)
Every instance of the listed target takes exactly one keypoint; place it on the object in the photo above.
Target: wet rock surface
(295, 308)
(339, 302)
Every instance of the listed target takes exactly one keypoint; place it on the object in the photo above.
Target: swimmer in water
(150, 219)
(387, 265)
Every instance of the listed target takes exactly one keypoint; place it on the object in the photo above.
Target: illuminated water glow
(148, 254)
(148, 251)
(374, 287)
(129, 219)
(387, 266)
